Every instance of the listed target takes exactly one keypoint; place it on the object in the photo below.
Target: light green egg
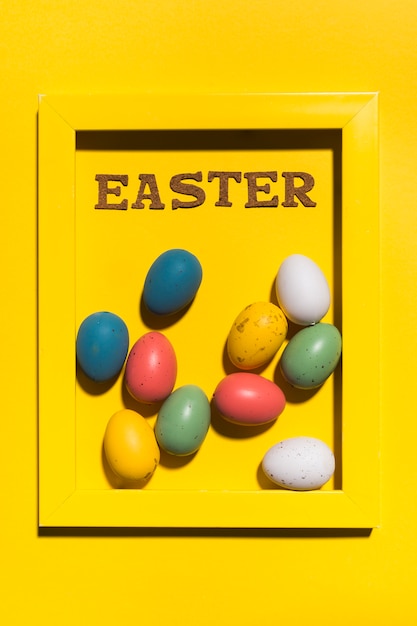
(311, 356)
(183, 421)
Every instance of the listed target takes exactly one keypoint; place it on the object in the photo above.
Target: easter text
(259, 190)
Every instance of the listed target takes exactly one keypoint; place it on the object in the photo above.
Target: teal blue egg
(311, 356)
(183, 421)
(172, 282)
(102, 344)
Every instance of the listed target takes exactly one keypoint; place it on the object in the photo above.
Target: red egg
(151, 368)
(247, 398)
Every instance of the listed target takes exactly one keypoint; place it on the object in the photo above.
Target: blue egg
(102, 345)
(172, 282)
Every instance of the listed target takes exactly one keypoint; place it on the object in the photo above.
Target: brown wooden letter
(148, 180)
(224, 185)
(300, 192)
(254, 188)
(178, 186)
(104, 190)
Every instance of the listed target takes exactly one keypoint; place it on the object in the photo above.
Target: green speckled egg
(311, 356)
(183, 421)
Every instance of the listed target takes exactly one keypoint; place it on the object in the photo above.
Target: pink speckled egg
(151, 368)
(248, 398)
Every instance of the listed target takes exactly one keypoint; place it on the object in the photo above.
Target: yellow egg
(130, 446)
(256, 335)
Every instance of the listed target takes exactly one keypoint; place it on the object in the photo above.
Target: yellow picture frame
(355, 502)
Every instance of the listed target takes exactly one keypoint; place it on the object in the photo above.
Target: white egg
(299, 463)
(302, 290)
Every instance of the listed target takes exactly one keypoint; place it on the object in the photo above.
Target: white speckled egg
(299, 463)
(302, 290)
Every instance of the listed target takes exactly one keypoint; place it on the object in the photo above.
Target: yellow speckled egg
(130, 446)
(256, 335)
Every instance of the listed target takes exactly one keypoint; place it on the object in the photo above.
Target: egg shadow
(292, 394)
(338, 427)
(144, 408)
(264, 482)
(175, 461)
(159, 322)
(273, 292)
(94, 388)
(293, 329)
(228, 366)
(230, 430)
(117, 482)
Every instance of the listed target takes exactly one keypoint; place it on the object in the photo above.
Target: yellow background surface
(246, 578)
(240, 250)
